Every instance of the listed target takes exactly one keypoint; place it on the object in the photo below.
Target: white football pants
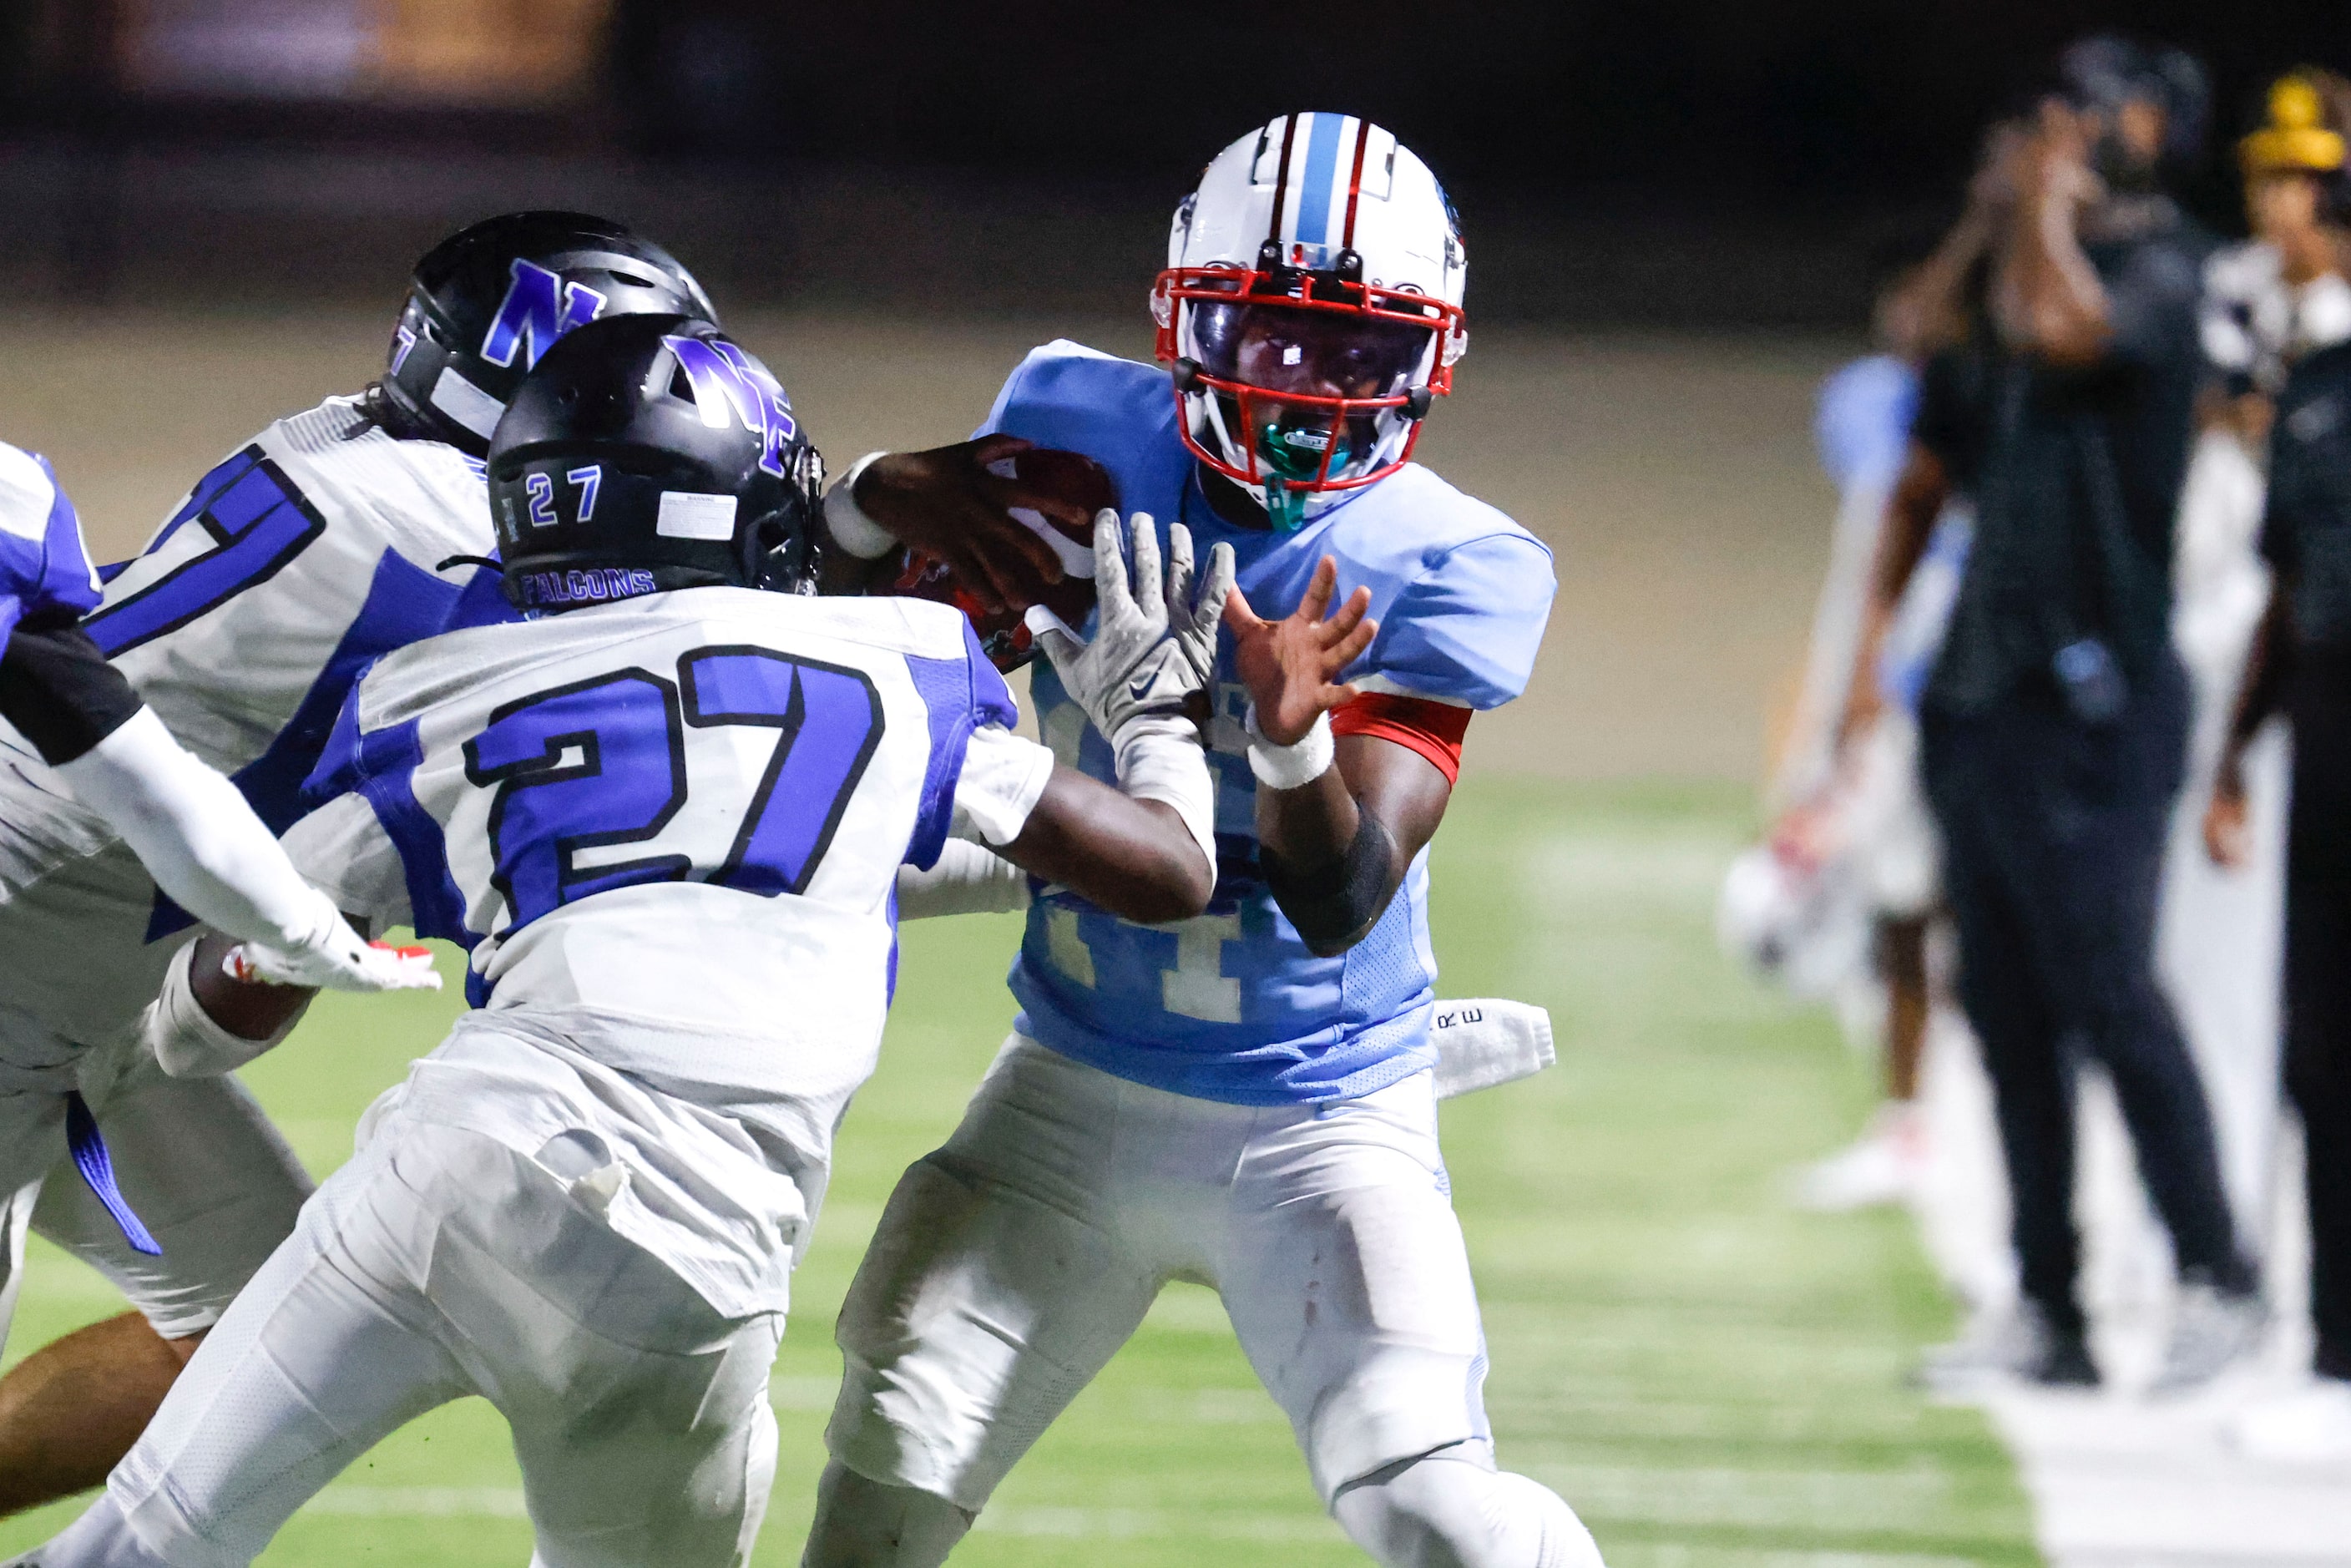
(197, 1160)
(441, 1263)
(1013, 1263)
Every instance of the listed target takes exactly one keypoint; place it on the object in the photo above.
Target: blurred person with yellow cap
(2300, 665)
(2282, 294)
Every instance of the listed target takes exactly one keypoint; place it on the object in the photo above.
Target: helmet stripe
(1313, 225)
(1356, 181)
(1282, 175)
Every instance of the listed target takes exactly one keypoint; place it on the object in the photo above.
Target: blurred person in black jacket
(2054, 724)
(2301, 665)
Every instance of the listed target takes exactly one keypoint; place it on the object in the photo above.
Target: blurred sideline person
(585, 1204)
(2268, 301)
(1839, 899)
(2300, 666)
(1246, 1100)
(312, 548)
(2055, 723)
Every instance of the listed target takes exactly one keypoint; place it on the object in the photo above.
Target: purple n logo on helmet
(540, 307)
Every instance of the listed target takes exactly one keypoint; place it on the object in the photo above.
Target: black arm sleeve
(1341, 901)
(60, 692)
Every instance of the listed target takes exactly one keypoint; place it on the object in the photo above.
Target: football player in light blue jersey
(1244, 1099)
(316, 546)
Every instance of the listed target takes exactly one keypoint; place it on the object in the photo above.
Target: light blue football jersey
(43, 565)
(1862, 424)
(1231, 1006)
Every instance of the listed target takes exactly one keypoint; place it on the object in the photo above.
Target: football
(1069, 475)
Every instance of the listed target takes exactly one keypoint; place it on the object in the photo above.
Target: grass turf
(1710, 1378)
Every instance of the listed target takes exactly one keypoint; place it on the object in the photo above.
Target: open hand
(1288, 665)
(950, 503)
(1132, 668)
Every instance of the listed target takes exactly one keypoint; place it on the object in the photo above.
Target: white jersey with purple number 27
(669, 828)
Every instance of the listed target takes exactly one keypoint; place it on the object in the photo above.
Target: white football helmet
(1310, 308)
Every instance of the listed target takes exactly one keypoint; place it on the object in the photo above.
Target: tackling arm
(1138, 859)
(188, 825)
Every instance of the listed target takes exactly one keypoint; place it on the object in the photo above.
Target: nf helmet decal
(540, 307)
(725, 377)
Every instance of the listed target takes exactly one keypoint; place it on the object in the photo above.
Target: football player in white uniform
(666, 815)
(312, 548)
(1245, 1100)
(195, 833)
(113, 759)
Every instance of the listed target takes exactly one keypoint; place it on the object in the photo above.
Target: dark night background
(1708, 164)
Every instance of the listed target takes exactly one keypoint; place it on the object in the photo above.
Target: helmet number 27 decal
(603, 763)
(539, 487)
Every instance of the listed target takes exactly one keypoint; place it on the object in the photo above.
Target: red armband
(1432, 729)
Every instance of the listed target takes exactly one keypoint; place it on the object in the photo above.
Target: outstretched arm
(952, 502)
(1137, 859)
(188, 825)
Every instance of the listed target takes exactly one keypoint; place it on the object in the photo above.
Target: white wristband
(1295, 765)
(1160, 759)
(852, 530)
(188, 1041)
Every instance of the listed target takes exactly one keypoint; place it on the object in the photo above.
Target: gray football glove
(1133, 669)
(1192, 616)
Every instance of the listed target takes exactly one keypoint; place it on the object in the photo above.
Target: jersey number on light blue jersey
(602, 762)
(257, 521)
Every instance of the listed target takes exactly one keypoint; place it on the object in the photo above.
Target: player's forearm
(1911, 515)
(2046, 296)
(2260, 689)
(1335, 850)
(196, 836)
(1138, 859)
(1331, 866)
(967, 879)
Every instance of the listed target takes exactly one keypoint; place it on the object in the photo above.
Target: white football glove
(1192, 616)
(1133, 669)
(336, 958)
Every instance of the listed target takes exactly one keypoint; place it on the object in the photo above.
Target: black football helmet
(486, 302)
(2103, 72)
(647, 453)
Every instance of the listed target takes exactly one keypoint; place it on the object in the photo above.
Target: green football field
(1710, 1378)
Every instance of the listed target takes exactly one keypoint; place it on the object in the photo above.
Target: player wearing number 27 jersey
(668, 819)
(1245, 1099)
(312, 548)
